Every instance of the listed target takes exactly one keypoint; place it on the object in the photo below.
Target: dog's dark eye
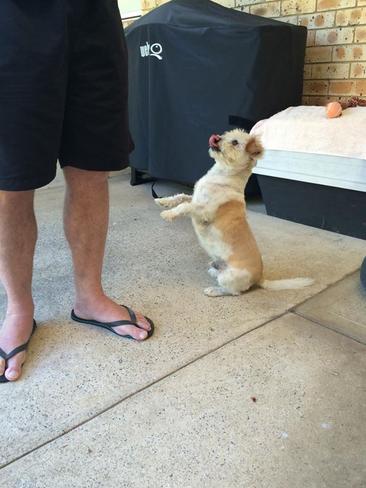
(234, 142)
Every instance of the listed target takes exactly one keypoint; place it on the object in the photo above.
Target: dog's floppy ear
(254, 148)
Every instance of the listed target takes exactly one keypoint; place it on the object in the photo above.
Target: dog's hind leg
(171, 202)
(212, 271)
(218, 291)
(182, 210)
(232, 281)
(215, 267)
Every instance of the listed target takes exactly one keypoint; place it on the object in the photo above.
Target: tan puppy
(218, 213)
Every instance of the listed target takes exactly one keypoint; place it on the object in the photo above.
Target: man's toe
(130, 330)
(12, 374)
(2, 366)
(14, 369)
(141, 320)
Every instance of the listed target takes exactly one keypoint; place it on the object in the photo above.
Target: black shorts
(63, 89)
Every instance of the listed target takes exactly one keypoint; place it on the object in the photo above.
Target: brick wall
(336, 46)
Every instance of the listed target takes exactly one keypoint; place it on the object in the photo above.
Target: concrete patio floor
(263, 390)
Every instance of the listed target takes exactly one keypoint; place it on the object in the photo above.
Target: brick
(335, 4)
(358, 70)
(148, 4)
(342, 35)
(354, 16)
(243, 8)
(317, 20)
(226, 3)
(330, 71)
(341, 88)
(291, 19)
(339, 53)
(244, 3)
(349, 53)
(314, 100)
(292, 7)
(360, 34)
(360, 88)
(315, 87)
(307, 72)
(310, 40)
(318, 54)
(268, 9)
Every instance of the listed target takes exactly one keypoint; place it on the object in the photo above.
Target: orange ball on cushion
(333, 110)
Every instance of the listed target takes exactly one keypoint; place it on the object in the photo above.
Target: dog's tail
(290, 284)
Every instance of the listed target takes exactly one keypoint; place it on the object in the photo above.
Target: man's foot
(15, 331)
(103, 309)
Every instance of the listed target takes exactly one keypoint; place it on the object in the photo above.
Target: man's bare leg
(86, 224)
(18, 235)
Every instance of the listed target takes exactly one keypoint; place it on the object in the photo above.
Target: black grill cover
(196, 67)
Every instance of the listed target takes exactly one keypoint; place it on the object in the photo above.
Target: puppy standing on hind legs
(218, 213)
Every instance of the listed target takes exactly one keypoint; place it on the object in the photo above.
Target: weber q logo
(155, 50)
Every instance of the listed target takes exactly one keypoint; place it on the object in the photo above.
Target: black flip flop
(110, 325)
(14, 352)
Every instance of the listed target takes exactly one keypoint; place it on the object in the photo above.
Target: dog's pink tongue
(213, 140)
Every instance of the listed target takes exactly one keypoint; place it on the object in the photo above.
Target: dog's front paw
(167, 215)
(161, 202)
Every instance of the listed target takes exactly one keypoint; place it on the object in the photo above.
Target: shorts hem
(19, 184)
(88, 165)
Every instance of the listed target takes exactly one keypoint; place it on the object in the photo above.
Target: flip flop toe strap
(118, 323)
(131, 313)
(112, 325)
(17, 350)
(3, 354)
(14, 352)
